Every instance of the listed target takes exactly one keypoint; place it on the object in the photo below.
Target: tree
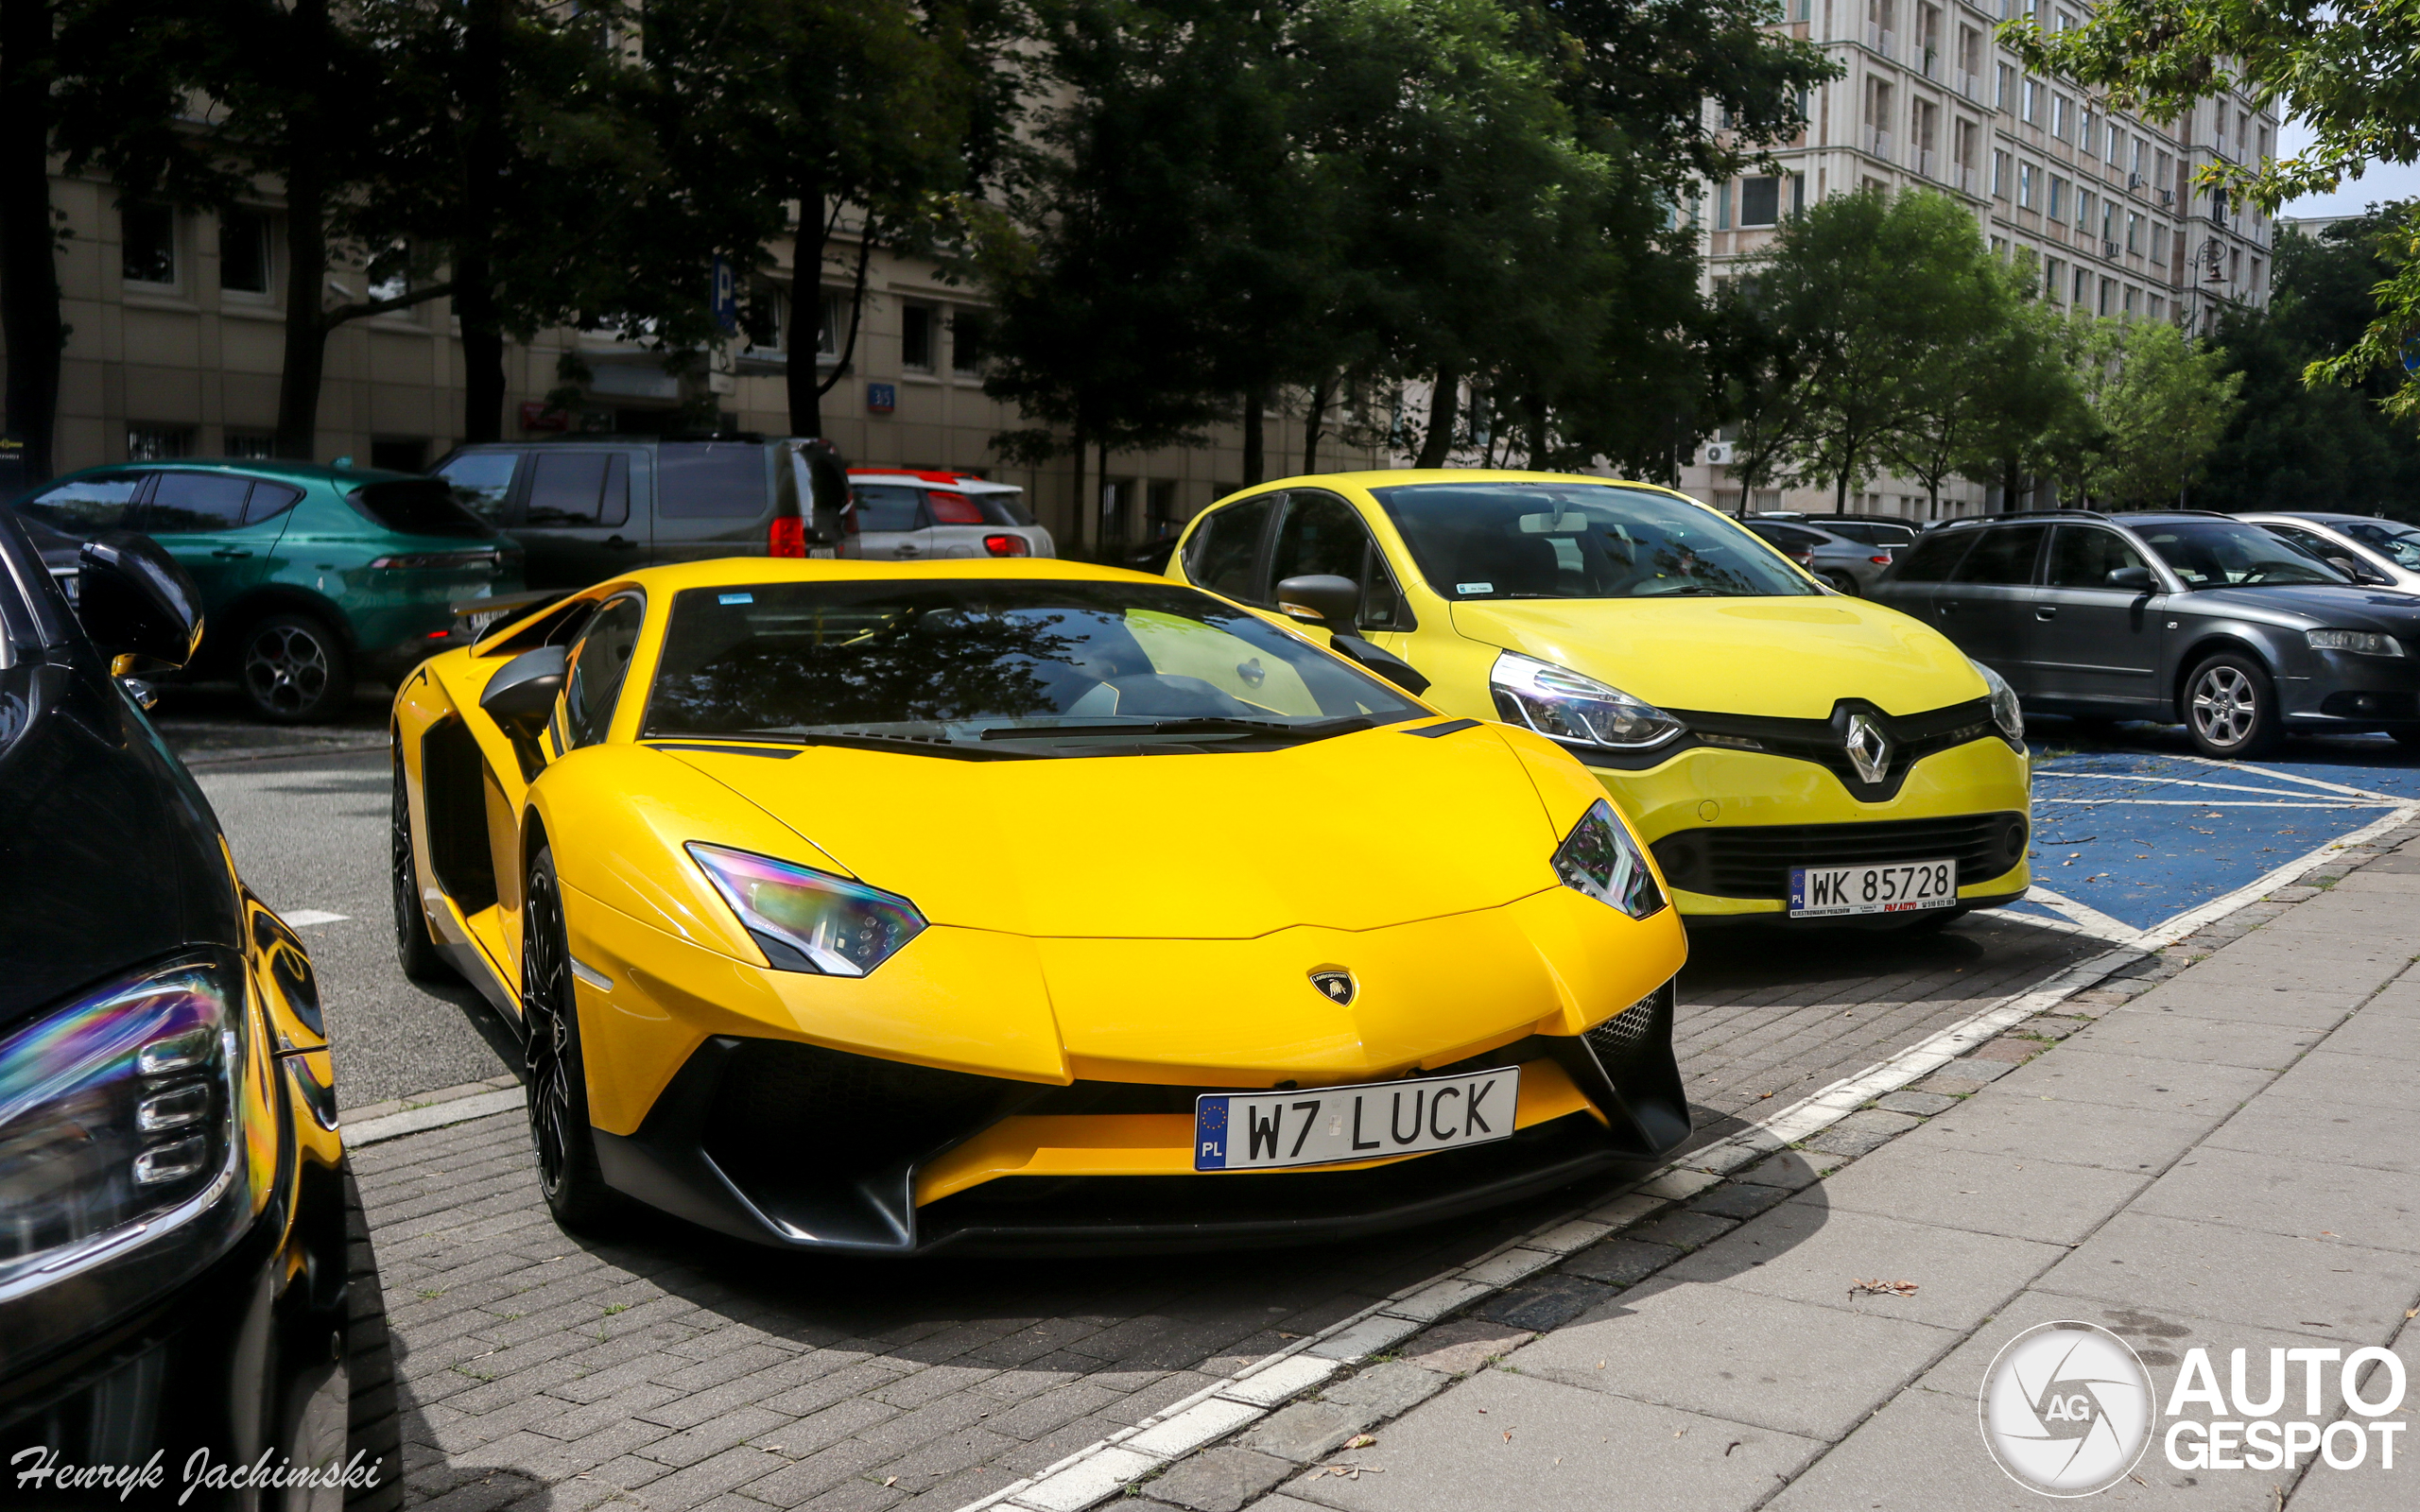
(1882, 300)
(2344, 71)
(2163, 402)
(2296, 447)
(1998, 382)
(2032, 419)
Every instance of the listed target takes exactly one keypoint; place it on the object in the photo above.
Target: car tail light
(953, 508)
(1879, 561)
(1007, 546)
(786, 537)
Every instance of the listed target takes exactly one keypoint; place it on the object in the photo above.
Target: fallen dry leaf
(1283, 1334)
(1734, 1444)
(1508, 1435)
(1350, 1472)
(894, 1481)
(1361, 1441)
(1879, 1287)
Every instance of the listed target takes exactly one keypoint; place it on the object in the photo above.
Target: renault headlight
(1599, 858)
(809, 921)
(2005, 712)
(119, 1125)
(1558, 702)
(2368, 642)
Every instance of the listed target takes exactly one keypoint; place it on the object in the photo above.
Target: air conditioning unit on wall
(1719, 453)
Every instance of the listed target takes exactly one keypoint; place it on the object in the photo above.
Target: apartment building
(2104, 200)
(176, 322)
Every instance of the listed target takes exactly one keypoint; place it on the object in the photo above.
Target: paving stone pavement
(2212, 1152)
(673, 1369)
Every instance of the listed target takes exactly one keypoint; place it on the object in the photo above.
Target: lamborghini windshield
(1008, 666)
(1579, 541)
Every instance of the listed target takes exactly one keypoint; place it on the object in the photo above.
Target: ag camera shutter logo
(2067, 1409)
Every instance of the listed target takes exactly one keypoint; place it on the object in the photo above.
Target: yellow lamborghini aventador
(1785, 751)
(881, 907)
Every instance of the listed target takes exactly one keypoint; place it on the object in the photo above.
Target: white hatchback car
(898, 514)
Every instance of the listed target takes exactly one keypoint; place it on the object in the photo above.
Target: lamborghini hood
(1780, 657)
(1355, 832)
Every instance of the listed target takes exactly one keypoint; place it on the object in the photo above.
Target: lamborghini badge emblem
(1337, 984)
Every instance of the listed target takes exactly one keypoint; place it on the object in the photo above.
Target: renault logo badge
(1869, 749)
(1338, 984)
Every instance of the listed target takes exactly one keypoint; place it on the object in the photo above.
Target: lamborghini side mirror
(135, 603)
(521, 696)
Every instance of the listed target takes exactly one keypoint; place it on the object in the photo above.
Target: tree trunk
(801, 384)
(475, 301)
(1322, 393)
(1537, 408)
(1442, 401)
(1255, 458)
(1086, 522)
(1113, 525)
(29, 318)
(307, 333)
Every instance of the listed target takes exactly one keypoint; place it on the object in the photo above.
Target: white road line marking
(2290, 777)
(2084, 916)
(306, 917)
(2165, 782)
(2209, 803)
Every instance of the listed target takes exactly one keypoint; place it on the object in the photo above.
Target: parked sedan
(1851, 565)
(184, 1276)
(2381, 553)
(2169, 616)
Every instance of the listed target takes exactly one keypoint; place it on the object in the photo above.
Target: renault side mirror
(2137, 578)
(1321, 598)
(136, 604)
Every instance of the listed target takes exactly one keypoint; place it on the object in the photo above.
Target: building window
(158, 443)
(2082, 289)
(2059, 116)
(2157, 307)
(250, 446)
(836, 318)
(2058, 195)
(2001, 97)
(2134, 233)
(149, 252)
(2032, 110)
(2134, 299)
(2000, 176)
(243, 251)
(2054, 279)
(1759, 202)
(966, 343)
(2108, 296)
(916, 337)
(2084, 128)
(2256, 273)
(2084, 213)
(2024, 187)
(1722, 206)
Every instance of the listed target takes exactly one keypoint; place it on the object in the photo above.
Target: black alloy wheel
(2231, 708)
(415, 948)
(294, 671)
(553, 1072)
(1846, 583)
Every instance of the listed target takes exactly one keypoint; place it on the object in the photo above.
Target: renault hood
(1777, 658)
(1355, 832)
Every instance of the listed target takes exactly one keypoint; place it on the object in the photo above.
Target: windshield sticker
(1473, 587)
(735, 598)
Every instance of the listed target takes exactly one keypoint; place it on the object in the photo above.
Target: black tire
(1846, 583)
(2231, 708)
(553, 1072)
(374, 1429)
(415, 948)
(293, 670)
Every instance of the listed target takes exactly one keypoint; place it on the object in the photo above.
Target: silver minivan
(896, 514)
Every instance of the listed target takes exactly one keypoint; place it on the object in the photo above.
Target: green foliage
(2345, 71)
(2161, 402)
(2297, 447)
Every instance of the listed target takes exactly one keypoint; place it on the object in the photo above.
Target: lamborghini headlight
(2005, 712)
(118, 1122)
(1601, 859)
(809, 921)
(1559, 702)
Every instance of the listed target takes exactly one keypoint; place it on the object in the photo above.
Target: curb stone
(1702, 1184)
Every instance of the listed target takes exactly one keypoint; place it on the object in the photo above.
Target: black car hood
(2312, 604)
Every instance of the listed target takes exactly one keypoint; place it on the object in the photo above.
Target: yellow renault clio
(1787, 751)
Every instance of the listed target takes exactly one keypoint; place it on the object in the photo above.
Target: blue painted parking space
(2131, 834)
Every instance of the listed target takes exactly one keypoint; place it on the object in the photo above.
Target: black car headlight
(2363, 643)
(1561, 703)
(120, 1125)
(809, 921)
(1599, 858)
(2005, 709)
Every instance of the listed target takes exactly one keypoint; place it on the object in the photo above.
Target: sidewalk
(2224, 1161)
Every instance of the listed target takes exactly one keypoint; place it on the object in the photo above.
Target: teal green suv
(311, 577)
